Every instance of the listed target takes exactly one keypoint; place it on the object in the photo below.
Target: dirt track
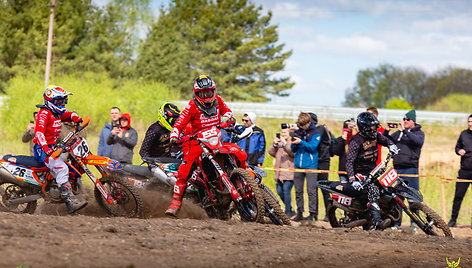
(49, 239)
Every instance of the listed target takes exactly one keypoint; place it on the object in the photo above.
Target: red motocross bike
(219, 181)
(24, 180)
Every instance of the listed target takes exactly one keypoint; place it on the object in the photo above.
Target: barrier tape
(447, 180)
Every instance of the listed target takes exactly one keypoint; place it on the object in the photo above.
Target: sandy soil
(49, 238)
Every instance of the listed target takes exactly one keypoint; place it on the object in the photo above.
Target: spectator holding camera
(464, 149)
(255, 145)
(124, 139)
(409, 139)
(104, 149)
(341, 147)
(284, 158)
(305, 147)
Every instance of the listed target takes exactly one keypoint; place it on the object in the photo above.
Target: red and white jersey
(197, 119)
(48, 127)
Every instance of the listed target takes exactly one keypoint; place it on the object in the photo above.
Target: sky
(333, 40)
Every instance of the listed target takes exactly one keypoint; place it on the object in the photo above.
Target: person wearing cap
(255, 145)
(124, 139)
(409, 139)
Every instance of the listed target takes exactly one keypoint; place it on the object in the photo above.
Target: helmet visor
(207, 94)
(60, 102)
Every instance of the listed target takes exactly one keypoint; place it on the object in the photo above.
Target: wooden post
(49, 51)
(443, 200)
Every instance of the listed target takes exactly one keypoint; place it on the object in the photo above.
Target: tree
(228, 40)
(398, 103)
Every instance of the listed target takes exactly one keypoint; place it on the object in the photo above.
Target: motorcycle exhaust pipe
(26, 199)
(356, 223)
(7, 177)
(162, 176)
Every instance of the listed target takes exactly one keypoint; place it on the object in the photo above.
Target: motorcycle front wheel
(429, 221)
(251, 208)
(273, 209)
(128, 202)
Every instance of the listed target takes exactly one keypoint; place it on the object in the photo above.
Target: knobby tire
(260, 213)
(430, 215)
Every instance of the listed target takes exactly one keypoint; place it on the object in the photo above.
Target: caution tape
(344, 172)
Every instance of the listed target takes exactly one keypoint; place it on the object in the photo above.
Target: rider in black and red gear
(205, 110)
(361, 159)
(47, 130)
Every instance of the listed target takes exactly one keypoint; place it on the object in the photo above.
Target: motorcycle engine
(54, 193)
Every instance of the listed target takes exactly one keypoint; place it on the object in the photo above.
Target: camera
(392, 125)
(277, 135)
(294, 135)
(287, 125)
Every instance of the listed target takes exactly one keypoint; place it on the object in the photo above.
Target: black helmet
(168, 114)
(367, 124)
(204, 94)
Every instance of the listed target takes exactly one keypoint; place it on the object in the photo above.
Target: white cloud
(288, 10)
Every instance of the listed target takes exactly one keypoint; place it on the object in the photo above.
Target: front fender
(411, 194)
(97, 160)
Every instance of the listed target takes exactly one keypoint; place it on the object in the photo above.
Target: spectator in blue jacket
(104, 149)
(305, 147)
(255, 145)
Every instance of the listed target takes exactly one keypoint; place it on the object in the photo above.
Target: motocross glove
(48, 151)
(357, 185)
(393, 149)
(173, 141)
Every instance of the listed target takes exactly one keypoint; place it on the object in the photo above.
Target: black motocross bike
(349, 211)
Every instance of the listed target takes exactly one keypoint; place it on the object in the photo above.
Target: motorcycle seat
(139, 170)
(24, 160)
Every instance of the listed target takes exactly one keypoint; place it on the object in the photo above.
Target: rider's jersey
(197, 119)
(362, 155)
(156, 143)
(48, 127)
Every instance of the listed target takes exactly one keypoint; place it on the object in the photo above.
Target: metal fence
(270, 110)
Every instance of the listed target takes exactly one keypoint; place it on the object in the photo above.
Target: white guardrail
(270, 110)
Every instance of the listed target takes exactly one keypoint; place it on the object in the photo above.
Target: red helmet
(204, 93)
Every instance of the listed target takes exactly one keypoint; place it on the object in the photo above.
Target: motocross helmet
(368, 124)
(168, 114)
(55, 98)
(204, 94)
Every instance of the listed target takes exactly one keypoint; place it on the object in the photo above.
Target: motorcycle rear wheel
(128, 201)
(431, 223)
(11, 191)
(251, 208)
(273, 209)
(336, 216)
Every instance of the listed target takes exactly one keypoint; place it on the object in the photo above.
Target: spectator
(409, 138)
(284, 158)
(156, 143)
(324, 157)
(464, 149)
(340, 147)
(104, 149)
(380, 130)
(123, 138)
(28, 135)
(254, 146)
(305, 148)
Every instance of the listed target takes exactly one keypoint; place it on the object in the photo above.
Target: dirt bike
(24, 180)
(219, 181)
(350, 211)
(271, 205)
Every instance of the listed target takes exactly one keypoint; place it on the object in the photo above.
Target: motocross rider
(205, 110)
(361, 159)
(156, 143)
(47, 130)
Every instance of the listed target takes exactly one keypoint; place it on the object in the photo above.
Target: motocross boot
(174, 208)
(298, 217)
(374, 211)
(71, 201)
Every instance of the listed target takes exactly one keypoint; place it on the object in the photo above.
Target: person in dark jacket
(124, 139)
(255, 145)
(156, 143)
(104, 149)
(305, 147)
(464, 149)
(340, 147)
(410, 139)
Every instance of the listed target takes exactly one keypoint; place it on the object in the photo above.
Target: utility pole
(49, 52)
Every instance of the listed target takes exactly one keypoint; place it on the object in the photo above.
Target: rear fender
(97, 160)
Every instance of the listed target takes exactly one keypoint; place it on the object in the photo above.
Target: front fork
(407, 210)
(224, 177)
(96, 181)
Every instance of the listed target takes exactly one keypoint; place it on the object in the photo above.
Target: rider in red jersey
(205, 110)
(47, 130)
